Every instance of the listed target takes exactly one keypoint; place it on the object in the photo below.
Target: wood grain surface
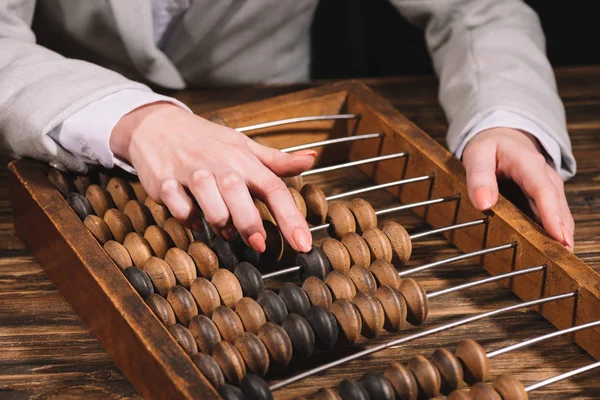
(46, 351)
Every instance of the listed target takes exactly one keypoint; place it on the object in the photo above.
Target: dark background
(369, 38)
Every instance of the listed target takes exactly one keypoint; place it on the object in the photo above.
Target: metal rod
(332, 141)
(296, 120)
(284, 271)
(378, 187)
(459, 258)
(353, 164)
(448, 228)
(484, 281)
(562, 376)
(418, 335)
(542, 338)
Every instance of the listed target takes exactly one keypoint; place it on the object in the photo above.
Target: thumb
(479, 160)
(284, 164)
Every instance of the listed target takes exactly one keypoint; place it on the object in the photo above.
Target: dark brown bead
(301, 335)
(99, 199)
(340, 285)
(316, 204)
(140, 281)
(371, 313)
(460, 395)
(228, 287)
(255, 388)
(206, 296)
(82, 182)
(138, 248)
(205, 333)
(138, 215)
(182, 265)
(295, 298)
(416, 301)
(403, 381)
(510, 388)
(326, 394)
(254, 353)
(340, 219)
(385, 274)
(210, 369)
(251, 314)
(61, 182)
(230, 392)
(352, 390)
(183, 304)
(161, 274)
(378, 387)
(427, 376)
(449, 367)
(205, 259)
(299, 201)
(159, 212)
(363, 279)
(394, 308)
(177, 233)
(348, 318)
(324, 325)
(483, 391)
(379, 244)
(119, 254)
(317, 291)
(118, 223)
(337, 254)
(158, 240)
(80, 205)
(358, 249)
(184, 338)
(274, 243)
(273, 306)
(364, 214)
(400, 241)
(475, 362)
(98, 228)
(231, 362)
(228, 322)
(161, 308)
(295, 182)
(120, 191)
(250, 279)
(313, 263)
(278, 344)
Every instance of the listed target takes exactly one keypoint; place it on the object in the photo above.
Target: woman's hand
(179, 155)
(517, 155)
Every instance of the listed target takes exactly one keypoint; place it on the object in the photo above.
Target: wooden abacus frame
(143, 348)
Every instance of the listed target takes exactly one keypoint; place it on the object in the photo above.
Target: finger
(566, 216)
(174, 196)
(244, 214)
(480, 166)
(283, 164)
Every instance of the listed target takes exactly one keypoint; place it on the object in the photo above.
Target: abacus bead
(317, 291)
(301, 335)
(205, 333)
(182, 265)
(459, 395)
(352, 390)
(378, 387)
(231, 362)
(161, 308)
(416, 301)
(161, 274)
(82, 182)
(255, 388)
(474, 360)
(364, 214)
(274, 243)
(295, 182)
(337, 254)
(358, 249)
(449, 367)
(177, 233)
(385, 274)
(340, 285)
(206, 295)
(103, 178)
(60, 181)
(80, 205)
(228, 322)
(294, 298)
(263, 211)
(313, 263)
(402, 380)
(228, 287)
(203, 231)
(230, 392)
(184, 338)
(120, 191)
(316, 203)
(251, 314)
(225, 253)
(326, 394)
(158, 240)
(483, 391)
(205, 258)
(159, 212)
(400, 241)
(363, 279)
(324, 325)
(371, 313)
(209, 368)
(277, 342)
(183, 304)
(348, 318)
(250, 279)
(138, 248)
(254, 353)
(510, 388)
(140, 281)
(299, 201)
(118, 223)
(273, 306)
(341, 219)
(379, 244)
(394, 308)
(138, 215)
(99, 199)
(119, 254)
(98, 228)
(427, 376)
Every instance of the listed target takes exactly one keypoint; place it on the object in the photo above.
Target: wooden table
(46, 352)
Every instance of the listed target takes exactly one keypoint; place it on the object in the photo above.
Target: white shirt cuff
(507, 119)
(86, 134)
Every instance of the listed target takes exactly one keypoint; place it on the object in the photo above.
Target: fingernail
(567, 238)
(301, 239)
(310, 153)
(257, 242)
(484, 198)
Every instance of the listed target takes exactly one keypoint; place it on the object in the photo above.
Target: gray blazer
(488, 55)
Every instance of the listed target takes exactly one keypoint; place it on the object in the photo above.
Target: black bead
(295, 298)
(352, 390)
(140, 281)
(250, 279)
(252, 256)
(313, 263)
(324, 325)
(378, 386)
(273, 306)
(225, 252)
(205, 233)
(301, 335)
(230, 392)
(255, 388)
(80, 204)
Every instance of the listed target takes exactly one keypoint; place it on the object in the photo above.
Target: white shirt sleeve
(86, 134)
(507, 119)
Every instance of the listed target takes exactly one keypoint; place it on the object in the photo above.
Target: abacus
(187, 314)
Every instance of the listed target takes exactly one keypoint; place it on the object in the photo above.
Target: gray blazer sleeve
(490, 55)
(40, 89)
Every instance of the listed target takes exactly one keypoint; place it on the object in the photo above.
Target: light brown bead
(99, 199)
(317, 291)
(459, 395)
(205, 259)
(299, 201)
(385, 274)
(510, 388)
(206, 295)
(263, 211)
(337, 254)
(161, 308)
(210, 369)
(138, 189)
(228, 322)
(82, 182)
(427, 376)
(379, 244)
(274, 243)
(316, 204)
(348, 318)
(416, 301)
(253, 352)
(278, 344)
(363, 279)
(182, 265)
(120, 191)
(161, 274)
(326, 394)
(402, 380)
(228, 287)
(119, 254)
(184, 338)
(364, 214)
(394, 307)
(251, 314)
(340, 285)
(483, 391)
(449, 368)
(474, 360)
(341, 219)
(400, 241)
(205, 333)
(358, 249)
(138, 215)
(98, 228)
(177, 233)
(295, 182)
(231, 362)
(371, 312)
(159, 240)
(159, 212)
(118, 223)
(138, 248)
(183, 304)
